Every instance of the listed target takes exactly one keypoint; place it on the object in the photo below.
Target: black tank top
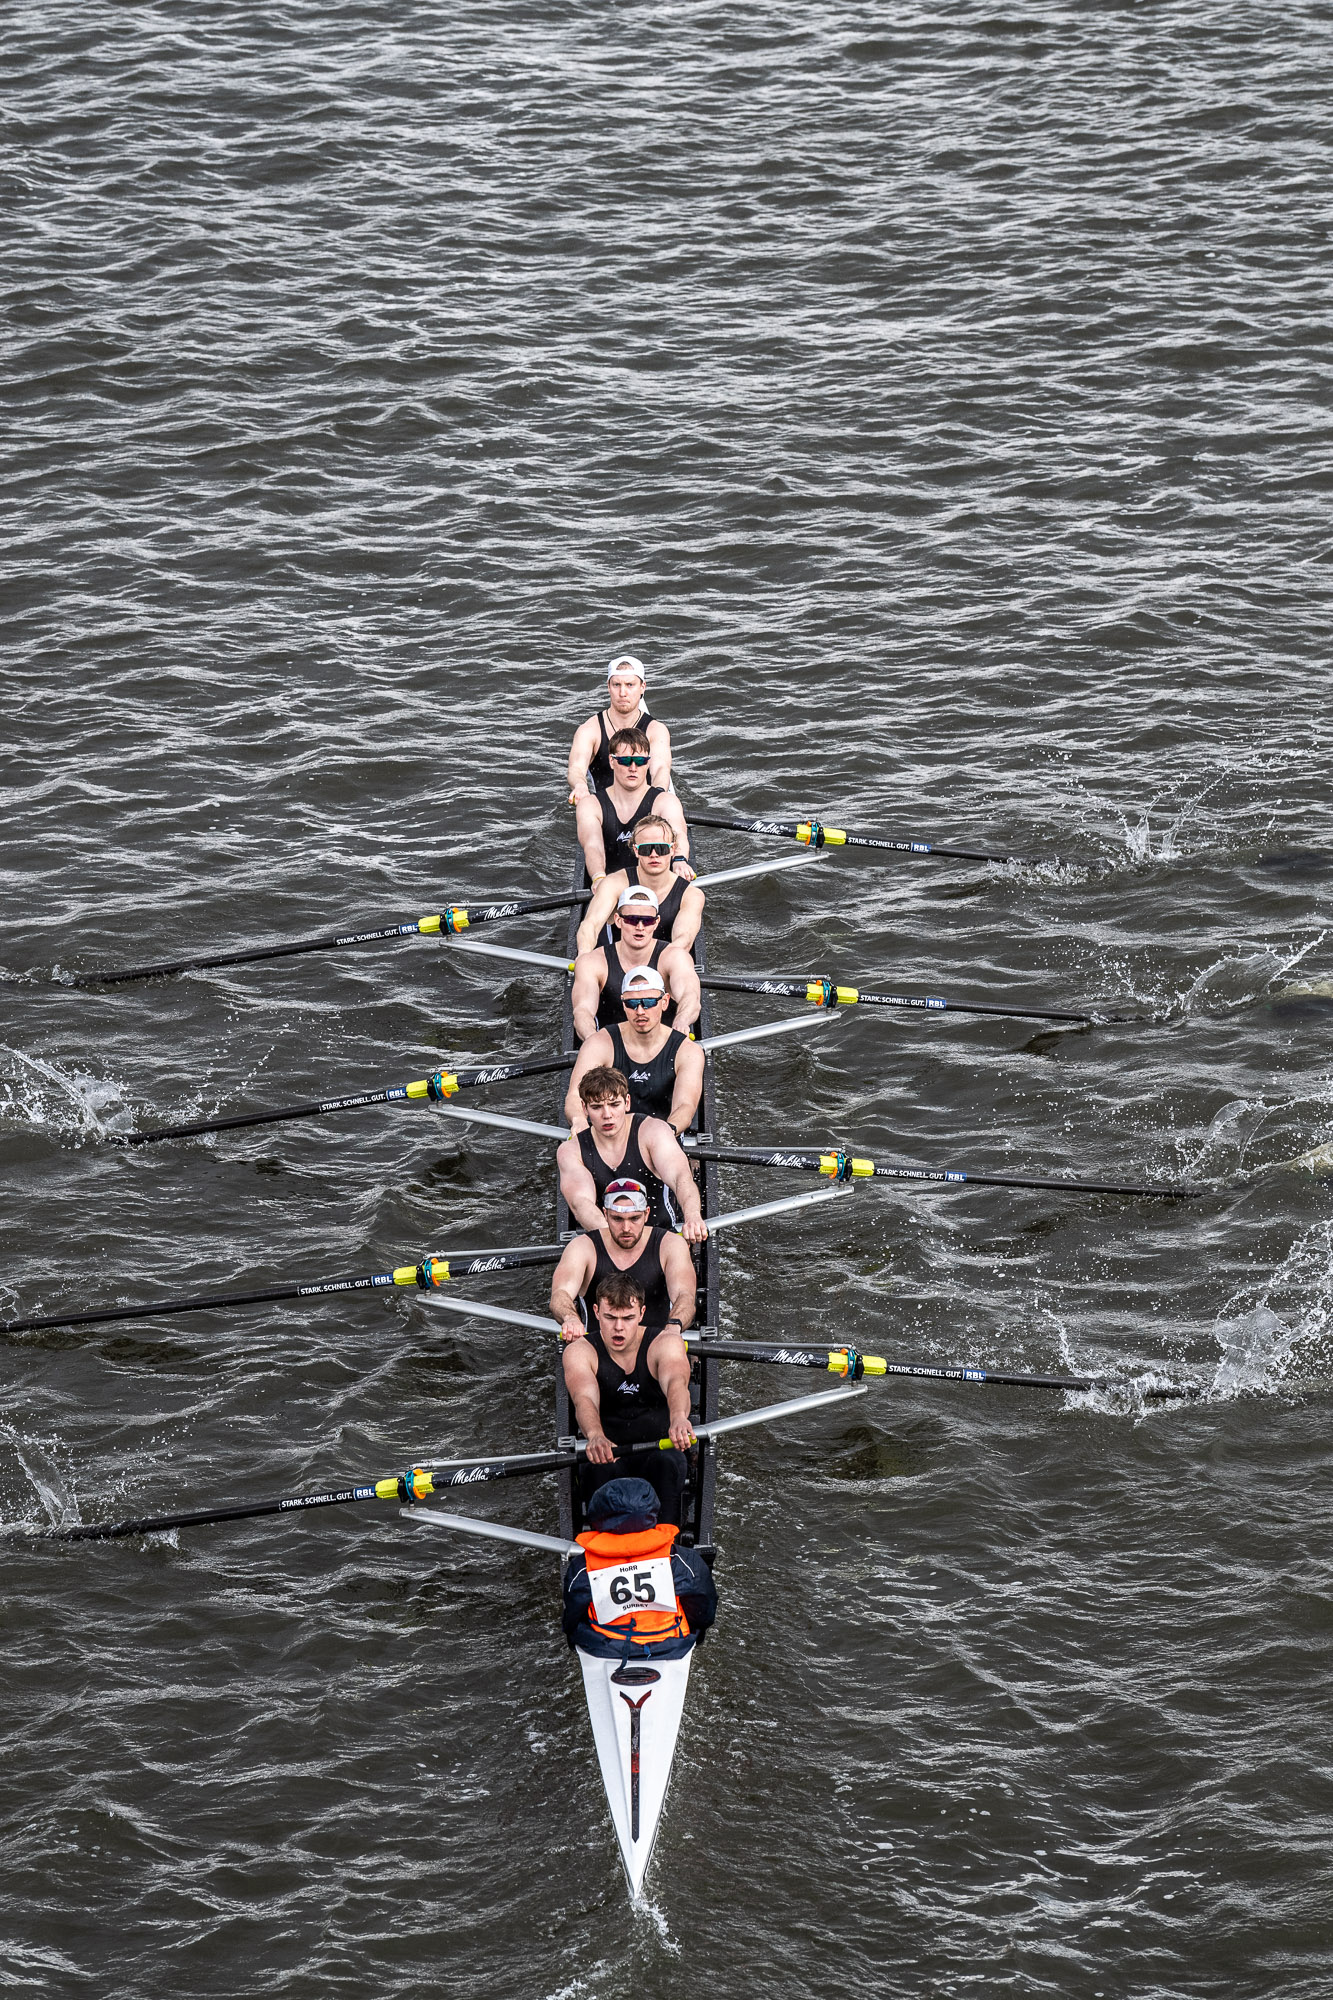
(647, 1268)
(652, 1085)
(599, 770)
(633, 1407)
(616, 831)
(661, 1202)
(611, 1006)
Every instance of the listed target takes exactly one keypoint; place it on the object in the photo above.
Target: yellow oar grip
(427, 924)
(847, 996)
(417, 1485)
(874, 1364)
(421, 1088)
(863, 1170)
(405, 1274)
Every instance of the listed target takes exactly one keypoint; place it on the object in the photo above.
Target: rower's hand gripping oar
(434, 1089)
(813, 833)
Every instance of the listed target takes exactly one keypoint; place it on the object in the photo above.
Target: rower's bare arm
(581, 1382)
(670, 1363)
(662, 1151)
(578, 1186)
(688, 917)
(598, 912)
(682, 1282)
(689, 1086)
(589, 972)
(582, 752)
(588, 819)
(596, 1051)
(669, 808)
(571, 1275)
(682, 980)
(659, 744)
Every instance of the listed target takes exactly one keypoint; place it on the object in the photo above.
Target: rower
(589, 766)
(619, 1145)
(606, 820)
(654, 865)
(663, 1067)
(621, 1528)
(599, 972)
(628, 1387)
(656, 1259)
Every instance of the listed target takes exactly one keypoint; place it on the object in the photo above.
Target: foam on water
(1267, 1340)
(66, 1103)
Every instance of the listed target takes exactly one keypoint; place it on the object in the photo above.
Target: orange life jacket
(638, 1622)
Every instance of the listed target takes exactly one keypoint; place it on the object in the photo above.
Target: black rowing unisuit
(646, 1270)
(616, 831)
(633, 1407)
(599, 769)
(633, 1167)
(611, 1006)
(652, 1083)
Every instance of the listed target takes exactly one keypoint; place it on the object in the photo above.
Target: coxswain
(656, 1259)
(663, 1067)
(617, 1144)
(599, 972)
(607, 819)
(621, 1529)
(589, 764)
(629, 1387)
(653, 865)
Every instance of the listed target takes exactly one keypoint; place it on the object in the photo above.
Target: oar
(845, 1167)
(427, 1275)
(812, 833)
(416, 1484)
(826, 993)
(847, 1361)
(434, 1089)
(457, 917)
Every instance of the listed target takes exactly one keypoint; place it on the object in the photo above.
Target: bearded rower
(607, 820)
(663, 1067)
(617, 1144)
(630, 1387)
(655, 864)
(589, 762)
(601, 971)
(656, 1259)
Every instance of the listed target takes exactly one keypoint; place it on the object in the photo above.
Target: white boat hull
(618, 1707)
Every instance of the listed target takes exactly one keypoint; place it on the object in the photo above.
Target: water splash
(37, 1461)
(1287, 1328)
(68, 1103)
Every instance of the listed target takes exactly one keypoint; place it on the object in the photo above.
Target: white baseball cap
(637, 892)
(625, 663)
(646, 977)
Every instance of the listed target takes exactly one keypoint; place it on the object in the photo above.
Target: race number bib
(631, 1587)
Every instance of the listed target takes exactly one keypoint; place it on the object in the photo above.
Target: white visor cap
(637, 893)
(645, 978)
(625, 663)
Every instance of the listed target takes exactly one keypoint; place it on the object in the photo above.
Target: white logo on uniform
(640, 1075)
(628, 1389)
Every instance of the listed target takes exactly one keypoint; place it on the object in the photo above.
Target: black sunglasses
(629, 760)
(652, 847)
(648, 1000)
(638, 916)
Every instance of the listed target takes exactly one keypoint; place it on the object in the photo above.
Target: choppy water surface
(937, 398)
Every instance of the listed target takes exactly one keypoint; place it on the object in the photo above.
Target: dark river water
(938, 399)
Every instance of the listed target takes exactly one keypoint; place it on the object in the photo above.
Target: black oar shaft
(473, 1472)
(443, 1084)
(822, 992)
(431, 1272)
(837, 1165)
(812, 833)
(457, 917)
(847, 1361)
